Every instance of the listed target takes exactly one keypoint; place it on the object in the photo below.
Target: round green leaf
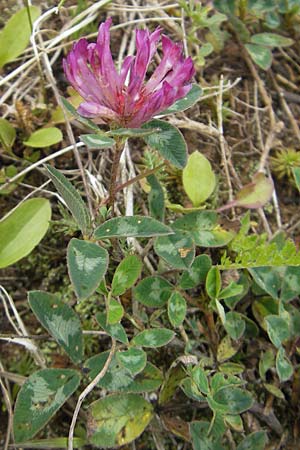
(153, 291)
(23, 229)
(283, 366)
(7, 134)
(44, 137)
(131, 226)
(126, 274)
(213, 282)
(87, 265)
(198, 178)
(234, 325)
(156, 337)
(115, 311)
(118, 419)
(14, 37)
(133, 360)
(115, 330)
(119, 379)
(261, 55)
(254, 441)
(271, 40)
(177, 249)
(60, 321)
(203, 228)
(176, 309)
(43, 393)
(169, 142)
(233, 400)
(278, 329)
(196, 274)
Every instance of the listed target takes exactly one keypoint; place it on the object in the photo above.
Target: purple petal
(172, 56)
(108, 70)
(90, 109)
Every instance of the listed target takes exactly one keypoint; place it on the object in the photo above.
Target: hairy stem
(114, 173)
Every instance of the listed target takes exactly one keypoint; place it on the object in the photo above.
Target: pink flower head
(124, 99)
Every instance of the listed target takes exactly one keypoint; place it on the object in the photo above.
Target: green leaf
(200, 378)
(203, 228)
(72, 198)
(60, 321)
(198, 178)
(169, 142)
(119, 379)
(227, 7)
(234, 325)
(7, 134)
(153, 291)
(278, 329)
(283, 366)
(134, 360)
(87, 265)
(14, 37)
(261, 55)
(70, 108)
(116, 330)
(118, 419)
(126, 274)
(156, 337)
(274, 390)
(232, 290)
(267, 279)
(255, 194)
(131, 226)
(220, 380)
(279, 282)
(133, 132)
(23, 229)
(296, 173)
(271, 40)
(254, 441)
(115, 312)
(40, 397)
(234, 422)
(58, 442)
(213, 282)
(263, 307)
(233, 400)
(178, 249)
(45, 137)
(172, 380)
(225, 349)
(199, 431)
(176, 309)
(156, 199)
(186, 102)
(266, 362)
(97, 141)
(196, 274)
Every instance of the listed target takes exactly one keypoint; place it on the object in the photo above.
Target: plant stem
(114, 173)
(142, 175)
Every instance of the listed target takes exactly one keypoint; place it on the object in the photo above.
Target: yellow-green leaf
(23, 229)
(198, 178)
(14, 37)
(44, 138)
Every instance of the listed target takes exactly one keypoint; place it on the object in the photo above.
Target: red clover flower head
(124, 99)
